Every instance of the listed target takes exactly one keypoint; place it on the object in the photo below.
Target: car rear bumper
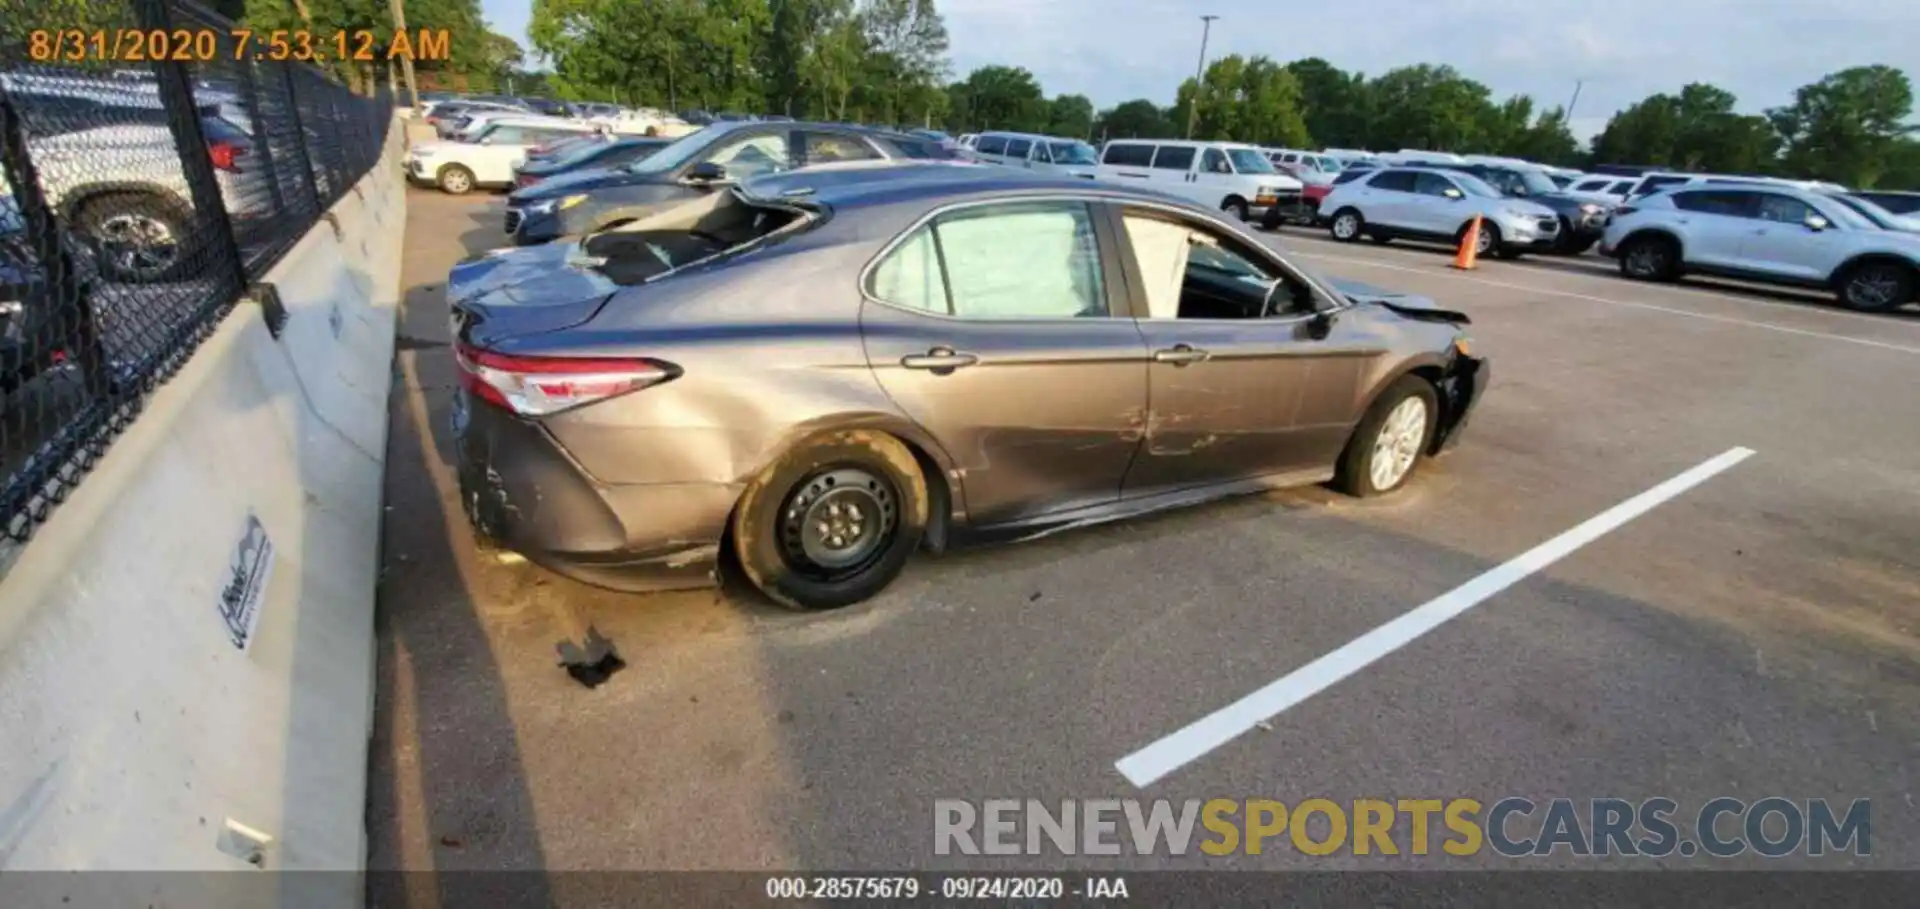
(523, 493)
(1460, 391)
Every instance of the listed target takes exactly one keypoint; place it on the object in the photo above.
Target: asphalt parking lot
(1757, 634)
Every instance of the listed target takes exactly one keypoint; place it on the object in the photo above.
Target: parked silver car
(1421, 203)
(1771, 233)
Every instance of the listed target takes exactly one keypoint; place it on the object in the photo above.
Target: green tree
(1136, 119)
(1698, 129)
(998, 97)
(1335, 105)
(1848, 126)
(1071, 116)
(1547, 140)
(906, 57)
(1429, 107)
(1245, 100)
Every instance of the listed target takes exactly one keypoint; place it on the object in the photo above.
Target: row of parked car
(1855, 244)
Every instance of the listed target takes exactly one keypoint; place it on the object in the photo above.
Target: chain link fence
(138, 203)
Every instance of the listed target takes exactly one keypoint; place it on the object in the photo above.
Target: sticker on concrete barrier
(247, 586)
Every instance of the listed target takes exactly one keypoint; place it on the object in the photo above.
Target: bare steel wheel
(835, 522)
(832, 521)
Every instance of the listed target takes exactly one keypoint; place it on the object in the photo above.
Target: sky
(1619, 50)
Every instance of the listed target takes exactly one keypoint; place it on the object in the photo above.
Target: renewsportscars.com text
(1514, 827)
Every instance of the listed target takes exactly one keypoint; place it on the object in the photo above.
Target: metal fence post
(183, 118)
(305, 160)
(263, 146)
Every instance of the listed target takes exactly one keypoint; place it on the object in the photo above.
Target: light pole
(1199, 72)
(1577, 83)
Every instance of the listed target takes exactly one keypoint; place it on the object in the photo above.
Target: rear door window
(824, 148)
(992, 145)
(1017, 260)
(751, 156)
(1129, 154)
(1731, 203)
(1173, 157)
(1019, 148)
(1400, 181)
(504, 135)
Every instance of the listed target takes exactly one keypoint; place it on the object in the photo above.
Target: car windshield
(679, 151)
(1072, 153)
(1536, 183)
(1475, 185)
(1250, 161)
(1879, 217)
(1326, 165)
(1850, 216)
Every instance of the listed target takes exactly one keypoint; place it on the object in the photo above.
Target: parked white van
(1229, 176)
(1047, 154)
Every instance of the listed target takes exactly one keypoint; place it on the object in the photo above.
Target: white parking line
(1633, 304)
(1142, 768)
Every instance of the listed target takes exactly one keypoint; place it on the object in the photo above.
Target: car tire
(797, 545)
(1237, 207)
(455, 180)
(1347, 225)
(1385, 448)
(1649, 257)
(1876, 286)
(124, 230)
(1489, 244)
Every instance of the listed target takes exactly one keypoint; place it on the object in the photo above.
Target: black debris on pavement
(593, 663)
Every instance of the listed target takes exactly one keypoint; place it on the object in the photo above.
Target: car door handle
(941, 360)
(1180, 355)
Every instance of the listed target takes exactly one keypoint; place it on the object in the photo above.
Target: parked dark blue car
(592, 155)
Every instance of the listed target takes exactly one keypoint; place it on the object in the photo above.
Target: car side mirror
(1454, 194)
(1817, 223)
(706, 172)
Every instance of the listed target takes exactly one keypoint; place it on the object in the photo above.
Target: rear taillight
(537, 386)
(225, 155)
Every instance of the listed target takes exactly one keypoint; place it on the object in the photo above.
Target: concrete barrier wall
(135, 734)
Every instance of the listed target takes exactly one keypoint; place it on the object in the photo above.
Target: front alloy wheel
(1390, 440)
(1399, 442)
(1346, 226)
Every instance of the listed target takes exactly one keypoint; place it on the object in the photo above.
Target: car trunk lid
(517, 292)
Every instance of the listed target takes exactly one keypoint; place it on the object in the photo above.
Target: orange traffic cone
(1469, 253)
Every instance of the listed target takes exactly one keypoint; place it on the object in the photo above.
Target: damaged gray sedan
(822, 372)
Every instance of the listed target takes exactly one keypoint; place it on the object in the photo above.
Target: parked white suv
(1230, 176)
(488, 160)
(1420, 203)
(1771, 233)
